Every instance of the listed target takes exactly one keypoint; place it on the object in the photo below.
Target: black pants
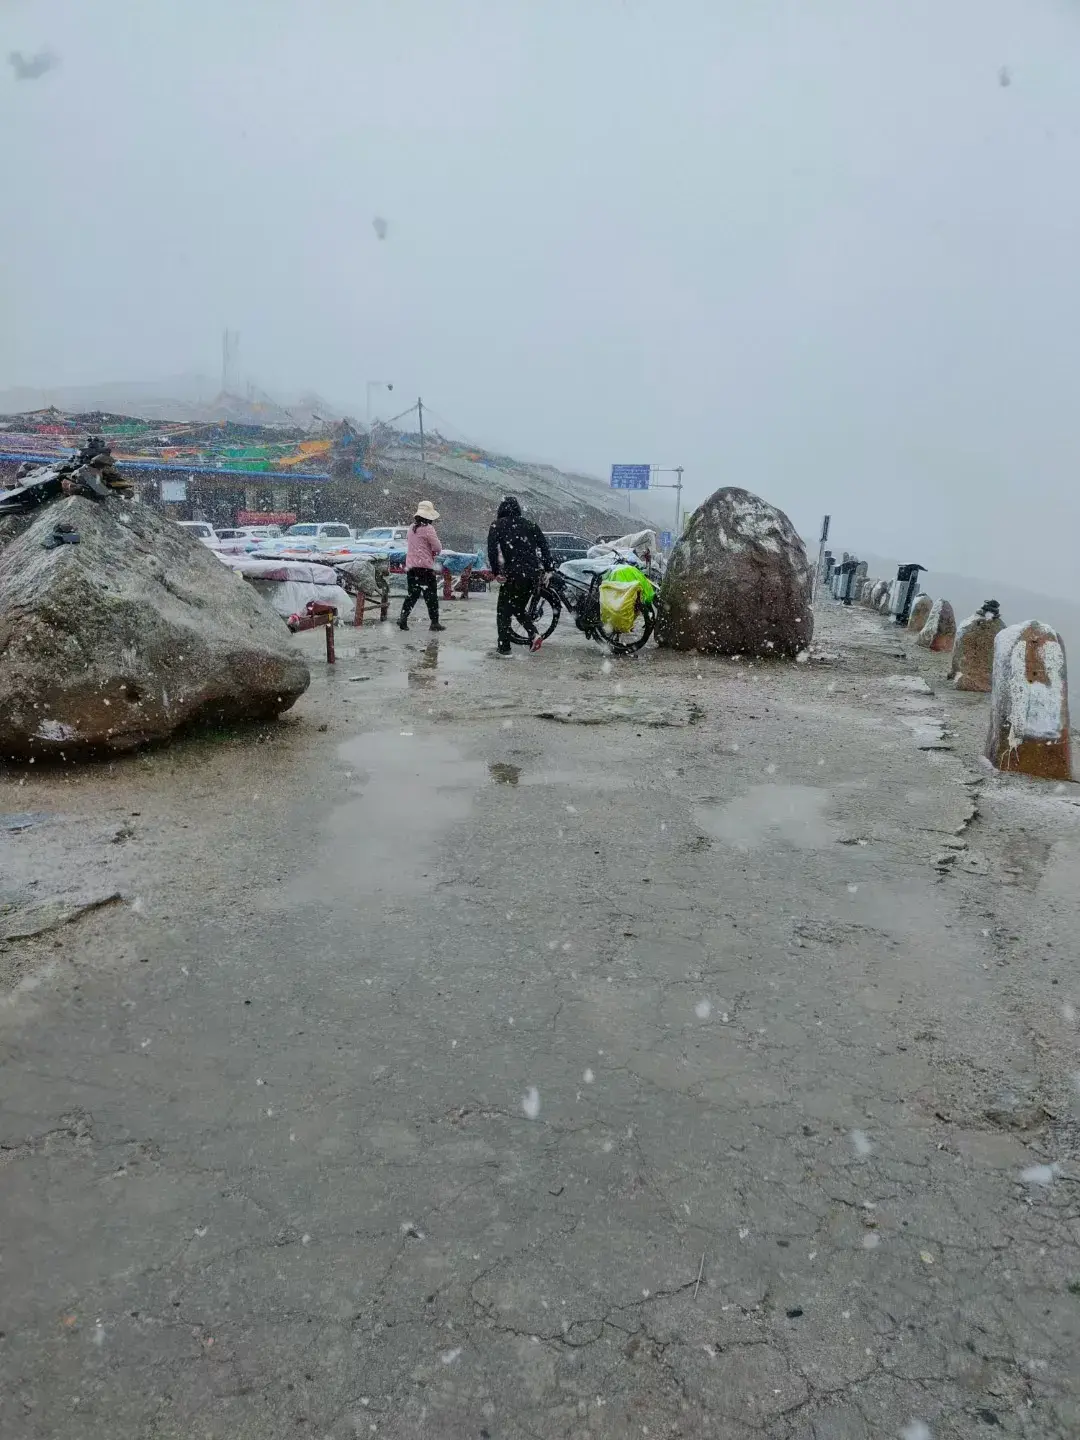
(514, 597)
(421, 582)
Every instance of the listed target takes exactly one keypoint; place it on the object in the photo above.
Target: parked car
(243, 538)
(390, 536)
(564, 546)
(202, 531)
(320, 531)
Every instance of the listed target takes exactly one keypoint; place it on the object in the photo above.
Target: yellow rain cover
(618, 604)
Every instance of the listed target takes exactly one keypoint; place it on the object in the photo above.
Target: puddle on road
(410, 669)
(407, 791)
(506, 774)
(792, 814)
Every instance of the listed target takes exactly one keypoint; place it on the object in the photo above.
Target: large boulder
(878, 591)
(973, 653)
(738, 582)
(131, 633)
(940, 629)
(1029, 707)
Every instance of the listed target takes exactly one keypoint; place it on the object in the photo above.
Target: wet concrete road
(698, 1061)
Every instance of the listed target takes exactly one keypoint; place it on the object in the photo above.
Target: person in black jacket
(517, 551)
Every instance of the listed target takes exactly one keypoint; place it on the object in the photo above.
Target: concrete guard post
(920, 609)
(1029, 719)
(973, 654)
(940, 629)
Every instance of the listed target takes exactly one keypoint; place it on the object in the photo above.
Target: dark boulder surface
(128, 635)
(920, 609)
(973, 653)
(739, 581)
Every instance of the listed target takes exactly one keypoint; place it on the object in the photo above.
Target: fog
(826, 251)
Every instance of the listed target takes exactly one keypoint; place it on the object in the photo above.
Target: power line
(394, 418)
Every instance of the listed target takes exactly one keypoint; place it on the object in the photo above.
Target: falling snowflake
(703, 1009)
(449, 1356)
(916, 1430)
(607, 667)
(588, 1077)
(853, 889)
(864, 1146)
(770, 769)
(871, 1240)
(1068, 1013)
(530, 1103)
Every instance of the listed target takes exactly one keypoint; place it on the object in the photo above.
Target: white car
(389, 537)
(318, 535)
(202, 532)
(243, 538)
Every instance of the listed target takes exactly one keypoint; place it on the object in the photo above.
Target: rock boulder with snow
(939, 630)
(1029, 715)
(738, 582)
(920, 609)
(128, 635)
(973, 653)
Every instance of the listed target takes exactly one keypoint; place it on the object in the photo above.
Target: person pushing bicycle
(518, 554)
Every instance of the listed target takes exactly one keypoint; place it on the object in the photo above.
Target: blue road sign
(630, 477)
(667, 539)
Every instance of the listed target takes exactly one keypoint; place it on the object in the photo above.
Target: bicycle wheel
(545, 609)
(628, 642)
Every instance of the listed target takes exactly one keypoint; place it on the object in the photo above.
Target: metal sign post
(630, 477)
(639, 477)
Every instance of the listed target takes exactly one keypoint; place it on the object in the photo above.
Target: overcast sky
(819, 248)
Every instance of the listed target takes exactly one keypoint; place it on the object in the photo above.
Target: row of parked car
(332, 534)
(313, 535)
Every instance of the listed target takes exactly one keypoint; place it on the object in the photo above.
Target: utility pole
(677, 471)
(230, 341)
(820, 558)
(423, 452)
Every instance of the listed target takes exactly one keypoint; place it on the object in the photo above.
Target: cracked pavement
(803, 1158)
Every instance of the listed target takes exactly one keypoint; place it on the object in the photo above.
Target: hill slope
(467, 484)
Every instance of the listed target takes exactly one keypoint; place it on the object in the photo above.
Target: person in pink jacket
(420, 553)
